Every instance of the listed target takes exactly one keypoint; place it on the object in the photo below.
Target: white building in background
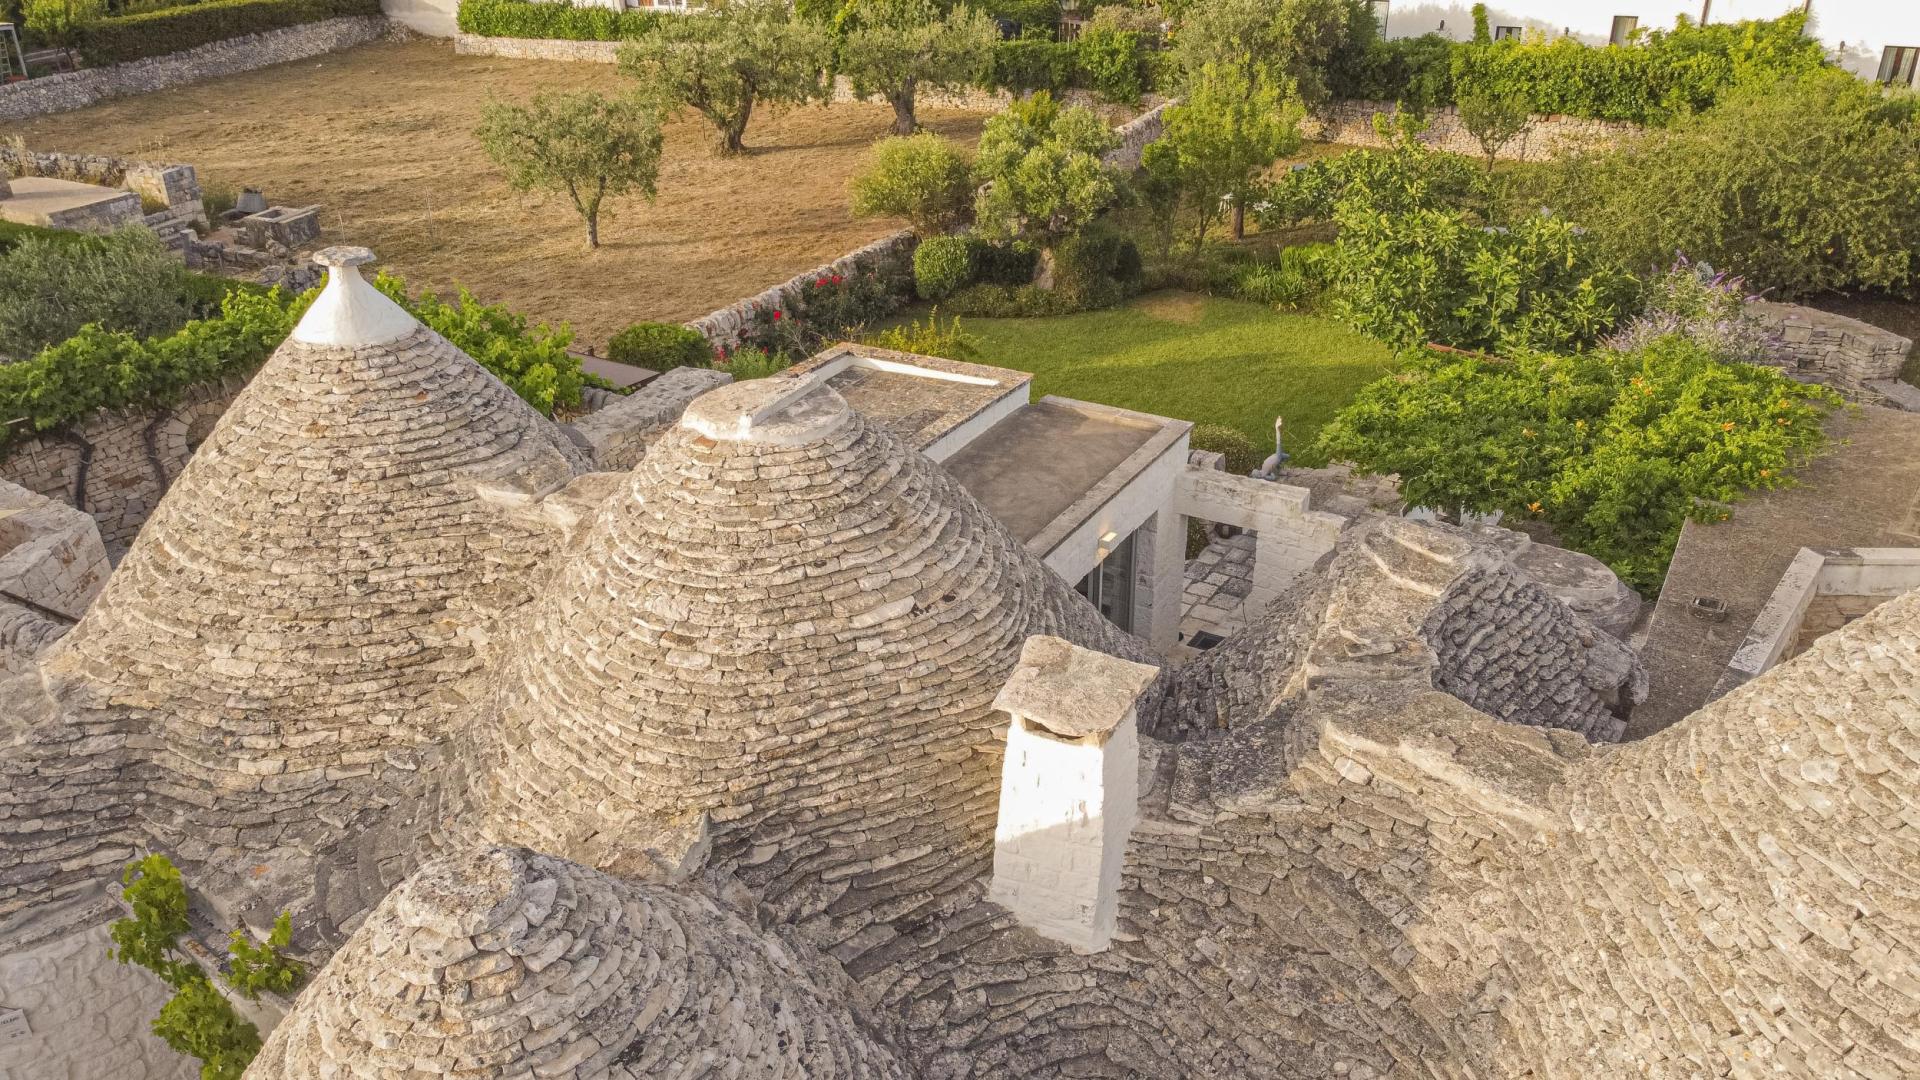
(1874, 38)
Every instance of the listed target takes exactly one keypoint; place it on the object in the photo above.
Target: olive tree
(1043, 175)
(1279, 40)
(1217, 143)
(1494, 121)
(725, 60)
(583, 145)
(902, 46)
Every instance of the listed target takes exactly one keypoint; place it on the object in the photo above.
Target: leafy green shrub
(1660, 78)
(546, 19)
(924, 178)
(1113, 62)
(60, 23)
(1028, 64)
(1614, 450)
(254, 968)
(659, 346)
(1707, 308)
(1436, 276)
(941, 265)
(1043, 171)
(1096, 268)
(834, 307)
(126, 281)
(156, 33)
(1008, 302)
(1404, 176)
(752, 363)
(153, 887)
(1038, 14)
(199, 1023)
(100, 369)
(1242, 456)
(1293, 280)
(930, 339)
(1002, 264)
(1416, 72)
(1800, 187)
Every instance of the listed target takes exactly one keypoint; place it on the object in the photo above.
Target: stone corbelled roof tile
(788, 622)
(498, 962)
(309, 584)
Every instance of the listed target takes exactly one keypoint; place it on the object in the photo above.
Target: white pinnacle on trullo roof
(350, 311)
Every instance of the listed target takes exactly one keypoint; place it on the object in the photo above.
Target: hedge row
(1671, 72)
(547, 19)
(156, 33)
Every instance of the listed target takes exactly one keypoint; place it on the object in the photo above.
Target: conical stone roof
(304, 593)
(502, 963)
(791, 627)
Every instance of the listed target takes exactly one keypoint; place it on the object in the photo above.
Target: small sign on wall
(13, 1024)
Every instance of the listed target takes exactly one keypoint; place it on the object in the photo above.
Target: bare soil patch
(1172, 305)
(381, 137)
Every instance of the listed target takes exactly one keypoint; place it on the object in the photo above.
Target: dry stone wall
(1351, 123)
(88, 86)
(117, 465)
(1860, 360)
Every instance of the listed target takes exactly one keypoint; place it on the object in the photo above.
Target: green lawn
(1196, 358)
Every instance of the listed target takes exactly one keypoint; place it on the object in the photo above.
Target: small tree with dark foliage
(581, 144)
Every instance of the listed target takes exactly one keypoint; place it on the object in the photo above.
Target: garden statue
(1270, 468)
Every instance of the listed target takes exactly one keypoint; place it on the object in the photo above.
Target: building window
(1623, 28)
(1379, 9)
(1900, 65)
(1110, 585)
(1506, 33)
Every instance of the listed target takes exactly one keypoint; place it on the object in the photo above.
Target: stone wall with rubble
(88, 86)
(1350, 123)
(81, 1015)
(1859, 359)
(172, 190)
(892, 254)
(116, 465)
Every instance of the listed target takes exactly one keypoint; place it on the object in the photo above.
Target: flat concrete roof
(624, 376)
(1865, 492)
(1033, 466)
(916, 398)
(36, 200)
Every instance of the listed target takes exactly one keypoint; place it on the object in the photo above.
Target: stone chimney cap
(1070, 691)
(350, 312)
(343, 255)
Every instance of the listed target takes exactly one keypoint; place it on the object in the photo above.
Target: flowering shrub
(1707, 308)
(1614, 450)
(832, 307)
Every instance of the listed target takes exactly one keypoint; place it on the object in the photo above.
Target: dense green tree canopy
(724, 61)
(582, 145)
(1043, 174)
(899, 47)
(1614, 450)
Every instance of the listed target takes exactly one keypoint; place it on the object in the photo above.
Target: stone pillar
(6, 189)
(1160, 578)
(1069, 790)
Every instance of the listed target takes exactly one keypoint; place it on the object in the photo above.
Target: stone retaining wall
(116, 465)
(1858, 359)
(894, 253)
(1351, 123)
(78, 89)
(606, 52)
(175, 187)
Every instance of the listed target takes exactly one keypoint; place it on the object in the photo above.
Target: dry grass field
(381, 137)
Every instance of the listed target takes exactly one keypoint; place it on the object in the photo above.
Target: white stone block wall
(1291, 535)
(86, 1016)
(1066, 810)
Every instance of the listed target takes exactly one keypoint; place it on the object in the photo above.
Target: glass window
(1110, 585)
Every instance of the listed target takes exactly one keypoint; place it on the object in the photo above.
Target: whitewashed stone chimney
(1069, 791)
